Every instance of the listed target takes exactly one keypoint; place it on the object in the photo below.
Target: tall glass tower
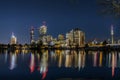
(32, 34)
(13, 39)
(112, 35)
(42, 31)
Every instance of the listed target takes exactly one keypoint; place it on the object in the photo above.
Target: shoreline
(38, 47)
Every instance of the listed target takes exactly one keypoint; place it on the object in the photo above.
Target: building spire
(13, 34)
(44, 22)
(112, 30)
(32, 34)
(112, 34)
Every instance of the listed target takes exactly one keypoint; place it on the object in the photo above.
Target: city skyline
(61, 16)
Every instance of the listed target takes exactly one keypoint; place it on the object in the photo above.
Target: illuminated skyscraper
(75, 37)
(42, 32)
(61, 40)
(60, 37)
(49, 38)
(32, 35)
(78, 37)
(43, 29)
(112, 34)
(13, 39)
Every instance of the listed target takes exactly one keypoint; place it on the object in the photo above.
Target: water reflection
(118, 60)
(81, 59)
(13, 60)
(68, 59)
(32, 62)
(95, 58)
(100, 59)
(6, 56)
(43, 60)
(113, 64)
(60, 59)
(78, 59)
(44, 64)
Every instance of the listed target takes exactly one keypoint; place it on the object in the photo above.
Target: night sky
(60, 15)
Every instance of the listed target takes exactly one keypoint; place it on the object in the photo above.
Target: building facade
(75, 37)
(32, 35)
(13, 39)
(42, 33)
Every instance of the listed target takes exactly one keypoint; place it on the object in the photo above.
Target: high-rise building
(61, 40)
(60, 37)
(13, 39)
(112, 35)
(69, 38)
(32, 35)
(78, 37)
(49, 38)
(75, 37)
(42, 32)
(43, 29)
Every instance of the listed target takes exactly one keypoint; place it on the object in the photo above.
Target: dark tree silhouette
(110, 7)
(105, 42)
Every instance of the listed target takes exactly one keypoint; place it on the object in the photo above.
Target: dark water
(60, 65)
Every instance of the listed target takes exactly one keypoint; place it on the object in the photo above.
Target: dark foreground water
(60, 65)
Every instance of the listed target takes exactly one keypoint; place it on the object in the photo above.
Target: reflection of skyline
(67, 59)
(100, 59)
(113, 64)
(81, 59)
(60, 59)
(32, 62)
(13, 61)
(6, 56)
(73, 58)
(111, 61)
(95, 55)
(118, 60)
(44, 64)
(108, 60)
(78, 59)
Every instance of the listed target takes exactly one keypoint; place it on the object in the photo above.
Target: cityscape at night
(60, 40)
(61, 16)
